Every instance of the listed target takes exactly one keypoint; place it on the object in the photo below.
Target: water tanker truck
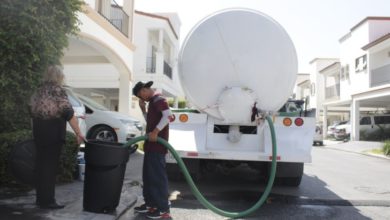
(235, 67)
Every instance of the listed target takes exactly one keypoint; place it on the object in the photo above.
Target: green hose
(195, 190)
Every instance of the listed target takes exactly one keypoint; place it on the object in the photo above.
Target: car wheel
(104, 133)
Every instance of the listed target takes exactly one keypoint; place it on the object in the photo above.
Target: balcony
(332, 91)
(151, 65)
(167, 70)
(114, 13)
(380, 76)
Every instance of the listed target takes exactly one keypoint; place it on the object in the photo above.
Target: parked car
(106, 125)
(370, 125)
(342, 131)
(79, 111)
(331, 128)
(318, 138)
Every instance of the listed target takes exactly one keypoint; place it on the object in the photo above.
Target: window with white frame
(361, 63)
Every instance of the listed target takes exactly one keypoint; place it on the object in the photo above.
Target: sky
(315, 26)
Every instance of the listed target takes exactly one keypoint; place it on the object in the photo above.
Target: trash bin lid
(101, 153)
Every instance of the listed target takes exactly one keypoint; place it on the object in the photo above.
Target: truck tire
(103, 133)
(291, 181)
(287, 174)
(175, 174)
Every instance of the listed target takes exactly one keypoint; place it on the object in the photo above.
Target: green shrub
(7, 140)
(171, 102)
(386, 148)
(68, 158)
(33, 34)
(182, 104)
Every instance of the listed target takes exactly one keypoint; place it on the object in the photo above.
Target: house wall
(110, 47)
(350, 49)
(147, 35)
(317, 96)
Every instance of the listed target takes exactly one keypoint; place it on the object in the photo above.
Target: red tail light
(298, 121)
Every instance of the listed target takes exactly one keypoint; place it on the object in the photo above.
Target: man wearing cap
(155, 180)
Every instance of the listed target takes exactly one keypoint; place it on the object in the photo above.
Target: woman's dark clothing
(50, 110)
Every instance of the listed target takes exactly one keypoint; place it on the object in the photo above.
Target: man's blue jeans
(154, 175)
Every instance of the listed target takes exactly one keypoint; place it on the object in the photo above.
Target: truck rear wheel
(175, 174)
(287, 174)
(291, 181)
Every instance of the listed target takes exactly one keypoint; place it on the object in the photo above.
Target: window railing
(151, 64)
(114, 13)
(167, 70)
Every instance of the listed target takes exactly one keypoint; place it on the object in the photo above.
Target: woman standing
(50, 110)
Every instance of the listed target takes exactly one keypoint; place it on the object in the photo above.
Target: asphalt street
(336, 185)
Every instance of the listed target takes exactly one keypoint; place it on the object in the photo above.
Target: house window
(313, 89)
(361, 63)
(151, 61)
(347, 72)
(342, 73)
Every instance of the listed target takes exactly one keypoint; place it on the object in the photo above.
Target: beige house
(99, 61)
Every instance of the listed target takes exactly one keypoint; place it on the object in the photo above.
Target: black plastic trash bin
(105, 166)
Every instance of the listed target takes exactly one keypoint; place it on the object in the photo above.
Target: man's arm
(165, 119)
(163, 107)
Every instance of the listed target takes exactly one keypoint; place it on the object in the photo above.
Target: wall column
(355, 119)
(325, 122)
(160, 53)
(125, 93)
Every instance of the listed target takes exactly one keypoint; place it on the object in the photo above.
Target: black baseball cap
(141, 85)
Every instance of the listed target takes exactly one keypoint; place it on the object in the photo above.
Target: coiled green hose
(195, 190)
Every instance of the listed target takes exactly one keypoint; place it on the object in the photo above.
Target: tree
(33, 34)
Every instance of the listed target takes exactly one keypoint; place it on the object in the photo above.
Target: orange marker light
(183, 118)
(298, 121)
(287, 121)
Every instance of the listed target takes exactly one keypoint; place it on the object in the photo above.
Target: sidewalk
(361, 147)
(71, 195)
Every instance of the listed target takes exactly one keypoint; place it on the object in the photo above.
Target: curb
(361, 153)
(125, 209)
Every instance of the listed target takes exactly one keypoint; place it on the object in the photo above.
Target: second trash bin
(105, 166)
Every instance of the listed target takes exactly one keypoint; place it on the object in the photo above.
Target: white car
(370, 127)
(343, 131)
(331, 128)
(79, 111)
(106, 125)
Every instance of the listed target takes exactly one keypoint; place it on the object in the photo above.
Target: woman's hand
(80, 138)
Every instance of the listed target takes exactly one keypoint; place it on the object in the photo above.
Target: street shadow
(242, 188)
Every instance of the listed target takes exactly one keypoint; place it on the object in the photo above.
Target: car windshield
(72, 99)
(92, 104)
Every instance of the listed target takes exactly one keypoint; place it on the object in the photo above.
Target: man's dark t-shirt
(157, 104)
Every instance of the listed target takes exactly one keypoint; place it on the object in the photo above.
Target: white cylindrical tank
(235, 58)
